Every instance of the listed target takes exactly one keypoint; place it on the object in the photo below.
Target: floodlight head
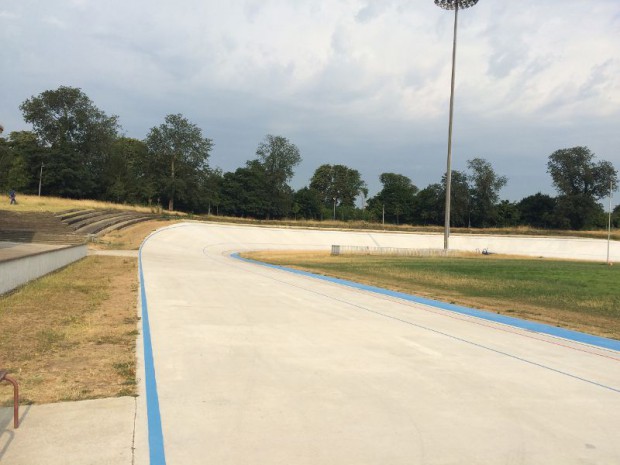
(453, 4)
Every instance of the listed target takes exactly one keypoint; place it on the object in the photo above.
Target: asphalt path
(252, 364)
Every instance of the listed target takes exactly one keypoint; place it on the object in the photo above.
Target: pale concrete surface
(90, 432)
(256, 365)
(12, 250)
(114, 253)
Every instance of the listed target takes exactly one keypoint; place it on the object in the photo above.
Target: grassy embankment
(582, 296)
(71, 335)
(33, 203)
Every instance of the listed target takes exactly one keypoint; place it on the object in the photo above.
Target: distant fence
(394, 251)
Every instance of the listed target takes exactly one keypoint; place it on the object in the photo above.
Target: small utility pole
(609, 223)
(40, 178)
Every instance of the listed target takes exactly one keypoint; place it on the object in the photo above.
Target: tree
(77, 132)
(181, 154)
(580, 181)
(278, 157)
(461, 199)
(338, 184)
(615, 217)
(508, 214)
(14, 173)
(128, 175)
(430, 204)
(537, 210)
(397, 195)
(213, 189)
(485, 186)
(244, 191)
(308, 202)
(574, 173)
(579, 212)
(25, 145)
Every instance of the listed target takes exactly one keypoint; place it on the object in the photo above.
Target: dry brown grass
(30, 203)
(71, 335)
(131, 237)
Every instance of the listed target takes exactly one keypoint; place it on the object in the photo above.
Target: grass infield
(581, 296)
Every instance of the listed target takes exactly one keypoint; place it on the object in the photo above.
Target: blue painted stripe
(597, 341)
(156, 438)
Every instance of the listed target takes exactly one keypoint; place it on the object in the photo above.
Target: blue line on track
(157, 454)
(597, 341)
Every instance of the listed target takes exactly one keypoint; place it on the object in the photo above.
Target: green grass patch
(577, 295)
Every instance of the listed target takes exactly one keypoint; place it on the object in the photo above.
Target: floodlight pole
(446, 233)
(451, 5)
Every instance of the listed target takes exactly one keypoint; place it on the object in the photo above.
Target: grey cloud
(598, 81)
(369, 12)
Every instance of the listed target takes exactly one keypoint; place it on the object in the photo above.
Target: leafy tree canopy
(180, 154)
(339, 184)
(575, 173)
(67, 117)
(79, 136)
(537, 210)
(485, 185)
(397, 196)
(279, 157)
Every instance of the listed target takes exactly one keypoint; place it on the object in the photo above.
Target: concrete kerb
(17, 271)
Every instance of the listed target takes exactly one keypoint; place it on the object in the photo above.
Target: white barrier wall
(18, 271)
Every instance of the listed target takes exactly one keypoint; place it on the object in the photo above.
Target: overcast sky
(363, 83)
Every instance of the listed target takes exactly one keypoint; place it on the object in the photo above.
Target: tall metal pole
(446, 234)
(455, 5)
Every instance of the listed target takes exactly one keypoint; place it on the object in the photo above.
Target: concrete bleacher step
(41, 227)
(83, 215)
(124, 224)
(73, 226)
(103, 222)
(101, 215)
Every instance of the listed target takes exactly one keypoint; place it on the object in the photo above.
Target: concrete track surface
(255, 365)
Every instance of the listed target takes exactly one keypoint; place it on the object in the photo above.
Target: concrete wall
(18, 271)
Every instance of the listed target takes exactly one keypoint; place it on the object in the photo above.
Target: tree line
(75, 150)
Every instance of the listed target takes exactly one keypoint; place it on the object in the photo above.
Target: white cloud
(8, 15)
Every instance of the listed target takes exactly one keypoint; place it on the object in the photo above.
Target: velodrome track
(250, 364)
